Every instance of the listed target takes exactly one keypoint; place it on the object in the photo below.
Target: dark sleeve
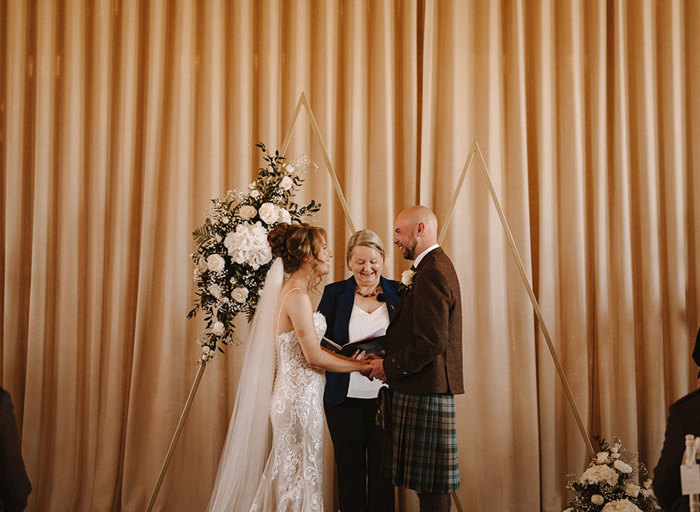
(431, 314)
(667, 475)
(327, 307)
(14, 484)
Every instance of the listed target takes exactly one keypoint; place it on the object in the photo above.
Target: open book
(372, 344)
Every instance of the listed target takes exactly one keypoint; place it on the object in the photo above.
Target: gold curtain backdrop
(120, 119)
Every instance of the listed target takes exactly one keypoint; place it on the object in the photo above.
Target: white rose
(252, 186)
(290, 169)
(407, 277)
(622, 467)
(215, 290)
(601, 457)
(247, 212)
(268, 213)
(632, 489)
(597, 499)
(239, 294)
(286, 183)
(217, 329)
(255, 194)
(215, 263)
(284, 216)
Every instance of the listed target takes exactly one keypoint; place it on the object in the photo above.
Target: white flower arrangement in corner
(233, 255)
(611, 483)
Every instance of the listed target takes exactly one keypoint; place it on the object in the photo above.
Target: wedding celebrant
(423, 365)
(281, 387)
(356, 308)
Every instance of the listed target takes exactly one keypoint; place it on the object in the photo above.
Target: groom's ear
(420, 229)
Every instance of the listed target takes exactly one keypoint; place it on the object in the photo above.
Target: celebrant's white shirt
(361, 325)
(423, 254)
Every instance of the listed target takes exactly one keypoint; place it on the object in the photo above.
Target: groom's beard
(409, 253)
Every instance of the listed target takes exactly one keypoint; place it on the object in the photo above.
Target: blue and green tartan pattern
(422, 451)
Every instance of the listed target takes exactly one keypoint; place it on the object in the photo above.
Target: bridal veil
(248, 440)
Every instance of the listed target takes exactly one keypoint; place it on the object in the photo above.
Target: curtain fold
(119, 120)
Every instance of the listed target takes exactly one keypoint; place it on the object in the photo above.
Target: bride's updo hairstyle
(296, 242)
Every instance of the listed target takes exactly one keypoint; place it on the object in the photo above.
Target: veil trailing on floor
(248, 439)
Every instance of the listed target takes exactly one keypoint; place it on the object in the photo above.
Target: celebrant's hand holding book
(371, 345)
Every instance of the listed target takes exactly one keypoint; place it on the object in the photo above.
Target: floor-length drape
(120, 119)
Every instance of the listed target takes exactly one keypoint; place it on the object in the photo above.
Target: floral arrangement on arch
(611, 483)
(233, 255)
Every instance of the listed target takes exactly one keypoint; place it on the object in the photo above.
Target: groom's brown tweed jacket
(424, 339)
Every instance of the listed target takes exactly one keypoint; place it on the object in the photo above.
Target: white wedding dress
(292, 480)
(278, 391)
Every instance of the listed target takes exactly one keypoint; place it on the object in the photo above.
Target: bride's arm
(300, 312)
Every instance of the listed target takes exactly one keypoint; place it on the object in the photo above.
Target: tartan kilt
(421, 451)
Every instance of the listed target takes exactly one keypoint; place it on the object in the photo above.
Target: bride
(281, 387)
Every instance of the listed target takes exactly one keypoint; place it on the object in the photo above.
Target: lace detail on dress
(292, 480)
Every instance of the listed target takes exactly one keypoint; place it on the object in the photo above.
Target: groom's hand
(377, 369)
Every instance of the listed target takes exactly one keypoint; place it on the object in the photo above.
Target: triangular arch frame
(475, 150)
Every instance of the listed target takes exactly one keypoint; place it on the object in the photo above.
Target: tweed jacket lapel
(408, 296)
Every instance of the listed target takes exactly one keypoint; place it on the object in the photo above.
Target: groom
(423, 365)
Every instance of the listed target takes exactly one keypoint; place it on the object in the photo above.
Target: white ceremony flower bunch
(611, 483)
(233, 255)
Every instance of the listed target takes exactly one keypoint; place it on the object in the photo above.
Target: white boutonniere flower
(407, 277)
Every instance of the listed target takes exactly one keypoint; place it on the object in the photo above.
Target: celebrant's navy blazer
(336, 305)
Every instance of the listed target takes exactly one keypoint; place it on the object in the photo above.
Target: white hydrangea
(601, 457)
(248, 245)
(600, 474)
(247, 212)
(215, 263)
(269, 213)
(239, 294)
(621, 506)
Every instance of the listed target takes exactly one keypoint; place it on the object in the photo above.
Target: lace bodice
(292, 477)
(290, 355)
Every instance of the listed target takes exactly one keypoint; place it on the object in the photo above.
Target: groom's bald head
(415, 229)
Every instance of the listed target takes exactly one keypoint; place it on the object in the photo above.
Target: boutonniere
(406, 281)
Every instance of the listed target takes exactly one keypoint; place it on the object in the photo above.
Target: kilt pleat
(422, 449)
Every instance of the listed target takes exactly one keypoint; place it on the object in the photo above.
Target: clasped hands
(374, 366)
